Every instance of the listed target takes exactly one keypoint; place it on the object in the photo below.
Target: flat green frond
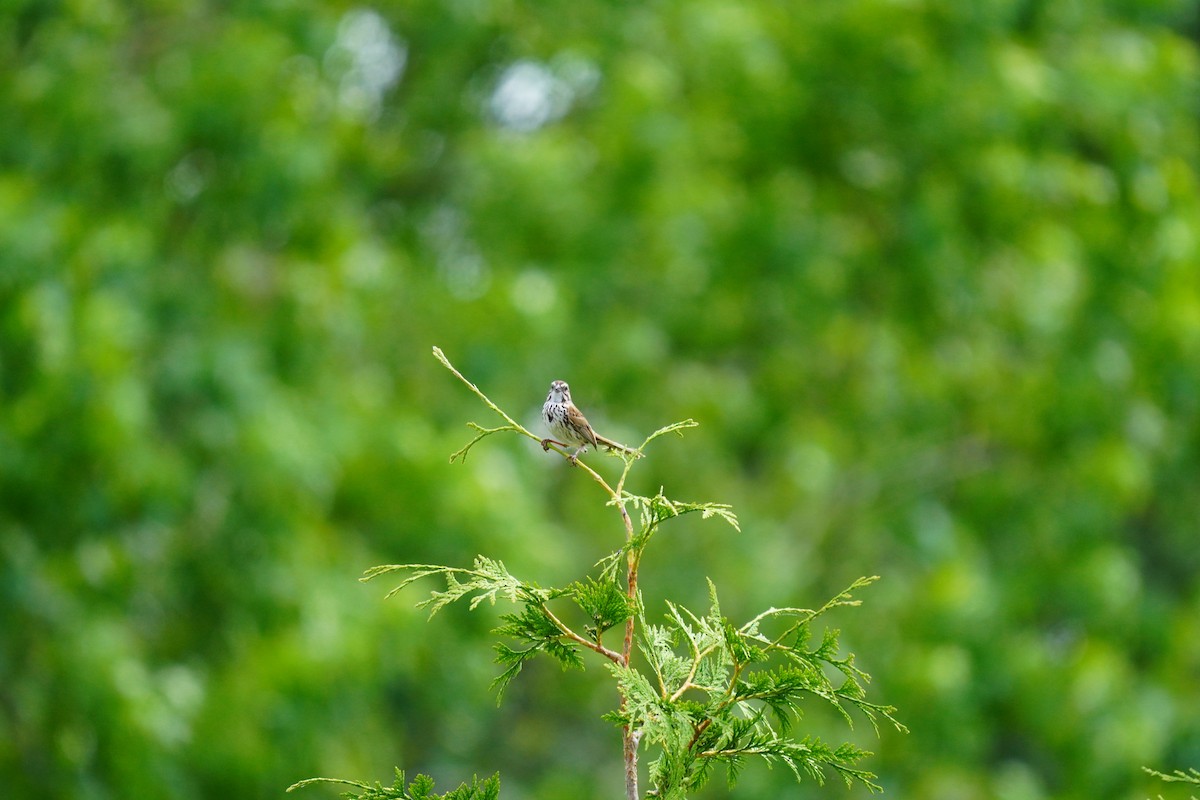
(1178, 776)
(611, 564)
(512, 661)
(603, 601)
(714, 605)
(488, 580)
(658, 645)
(785, 683)
(801, 615)
(530, 624)
(641, 700)
(808, 758)
(846, 596)
(676, 427)
(421, 788)
(461, 455)
(341, 782)
(701, 634)
(534, 627)
(851, 690)
(659, 508)
(877, 711)
(567, 655)
(721, 510)
(740, 647)
(827, 651)
(487, 789)
(729, 694)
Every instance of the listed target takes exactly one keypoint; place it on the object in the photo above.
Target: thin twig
(611, 655)
(629, 735)
(440, 356)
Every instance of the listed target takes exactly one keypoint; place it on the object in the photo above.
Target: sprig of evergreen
(652, 511)
(1178, 776)
(712, 693)
(421, 788)
(488, 579)
(725, 693)
(535, 627)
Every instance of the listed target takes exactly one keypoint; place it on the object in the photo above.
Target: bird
(570, 427)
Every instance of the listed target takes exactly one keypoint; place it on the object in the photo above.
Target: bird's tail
(611, 445)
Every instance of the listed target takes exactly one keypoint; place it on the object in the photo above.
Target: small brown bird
(570, 427)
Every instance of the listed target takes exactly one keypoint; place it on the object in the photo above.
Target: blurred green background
(928, 274)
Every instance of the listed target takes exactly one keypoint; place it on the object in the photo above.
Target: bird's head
(559, 393)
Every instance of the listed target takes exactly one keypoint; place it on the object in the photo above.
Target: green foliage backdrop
(928, 274)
